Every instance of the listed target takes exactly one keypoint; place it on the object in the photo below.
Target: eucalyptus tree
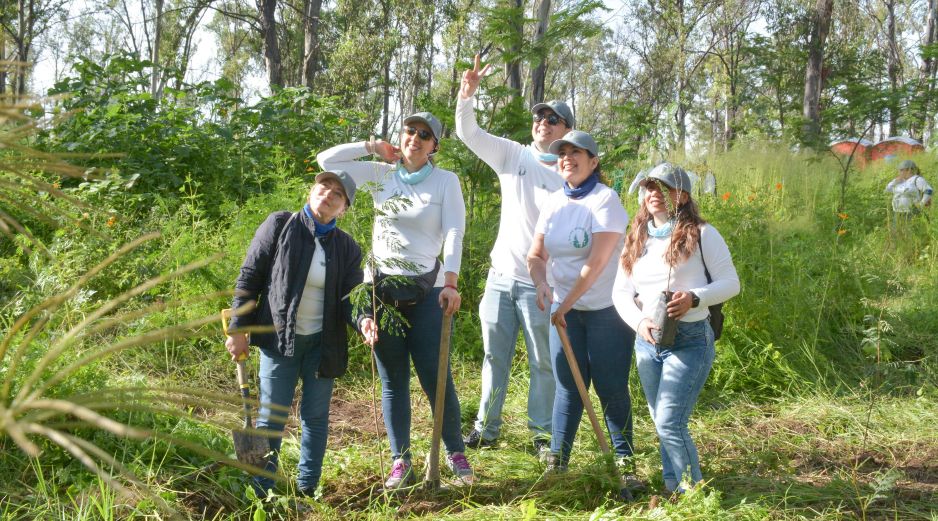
(819, 29)
(22, 22)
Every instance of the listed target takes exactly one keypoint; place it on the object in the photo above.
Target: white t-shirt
(309, 312)
(906, 195)
(650, 277)
(525, 184)
(568, 226)
(435, 219)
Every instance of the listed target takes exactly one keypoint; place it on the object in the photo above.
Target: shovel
(251, 449)
(432, 480)
(624, 493)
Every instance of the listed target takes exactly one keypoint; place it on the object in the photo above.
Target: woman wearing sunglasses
(671, 248)
(579, 231)
(421, 214)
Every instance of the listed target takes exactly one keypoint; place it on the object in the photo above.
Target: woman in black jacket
(292, 296)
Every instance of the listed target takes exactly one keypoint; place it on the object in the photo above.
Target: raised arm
(345, 157)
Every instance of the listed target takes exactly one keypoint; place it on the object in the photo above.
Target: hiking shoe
(402, 475)
(542, 449)
(474, 440)
(458, 463)
(629, 480)
(554, 466)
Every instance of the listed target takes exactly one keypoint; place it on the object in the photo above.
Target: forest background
(130, 189)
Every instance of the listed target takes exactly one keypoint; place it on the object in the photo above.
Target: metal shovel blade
(251, 448)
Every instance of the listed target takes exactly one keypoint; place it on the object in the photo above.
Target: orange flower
(111, 221)
(56, 185)
(841, 231)
(778, 186)
(726, 196)
(843, 216)
(752, 197)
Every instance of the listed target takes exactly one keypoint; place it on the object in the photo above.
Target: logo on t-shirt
(522, 171)
(579, 237)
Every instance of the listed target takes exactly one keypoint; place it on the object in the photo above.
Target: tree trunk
(386, 94)
(514, 67)
(311, 11)
(539, 72)
(926, 77)
(820, 26)
(155, 50)
(892, 66)
(267, 10)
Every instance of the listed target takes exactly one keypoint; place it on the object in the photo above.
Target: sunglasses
(552, 119)
(423, 134)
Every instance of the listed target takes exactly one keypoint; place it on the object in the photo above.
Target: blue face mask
(661, 231)
(413, 178)
(543, 157)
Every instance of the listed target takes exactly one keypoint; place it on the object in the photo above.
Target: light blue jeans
(672, 380)
(507, 306)
(600, 343)
(278, 379)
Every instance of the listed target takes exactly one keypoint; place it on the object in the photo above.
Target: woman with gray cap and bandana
(578, 233)
(408, 238)
(300, 267)
(910, 191)
(671, 248)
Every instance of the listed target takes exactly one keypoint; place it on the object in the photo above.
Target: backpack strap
(706, 271)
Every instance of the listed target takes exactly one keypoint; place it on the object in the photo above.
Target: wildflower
(309, 169)
(752, 197)
(56, 185)
(778, 186)
(841, 231)
(111, 221)
(341, 121)
(726, 196)
(843, 216)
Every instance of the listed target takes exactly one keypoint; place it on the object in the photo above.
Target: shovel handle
(581, 387)
(433, 467)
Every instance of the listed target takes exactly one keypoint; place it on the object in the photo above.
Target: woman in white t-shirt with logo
(671, 248)
(578, 233)
(910, 191)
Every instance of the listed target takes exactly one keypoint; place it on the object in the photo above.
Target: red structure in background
(866, 151)
(846, 147)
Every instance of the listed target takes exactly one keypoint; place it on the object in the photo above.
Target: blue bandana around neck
(584, 188)
(544, 157)
(661, 231)
(413, 178)
(321, 229)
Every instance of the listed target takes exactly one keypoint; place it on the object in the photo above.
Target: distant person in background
(527, 175)
(670, 247)
(301, 268)
(910, 191)
(429, 220)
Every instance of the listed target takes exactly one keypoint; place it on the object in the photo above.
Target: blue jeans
(672, 380)
(278, 378)
(420, 343)
(507, 306)
(601, 342)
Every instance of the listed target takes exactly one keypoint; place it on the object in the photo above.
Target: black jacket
(276, 283)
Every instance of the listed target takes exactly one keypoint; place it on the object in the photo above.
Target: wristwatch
(694, 300)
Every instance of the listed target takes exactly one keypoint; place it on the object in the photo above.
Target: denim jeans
(507, 306)
(421, 344)
(601, 342)
(672, 380)
(278, 378)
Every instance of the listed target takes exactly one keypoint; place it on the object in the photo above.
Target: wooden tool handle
(581, 387)
(433, 467)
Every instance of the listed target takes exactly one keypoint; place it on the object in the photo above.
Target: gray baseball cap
(908, 163)
(671, 175)
(348, 184)
(561, 108)
(577, 138)
(429, 120)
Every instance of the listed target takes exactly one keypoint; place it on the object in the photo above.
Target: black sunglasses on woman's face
(552, 119)
(423, 134)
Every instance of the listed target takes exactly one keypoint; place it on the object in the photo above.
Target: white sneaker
(402, 475)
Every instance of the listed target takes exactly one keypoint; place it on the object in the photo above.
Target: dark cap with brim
(429, 120)
(908, 164)
(561, 108)
(577, 138)
(672, 176)
(348, 184)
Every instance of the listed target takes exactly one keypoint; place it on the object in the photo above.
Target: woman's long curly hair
(684, 238)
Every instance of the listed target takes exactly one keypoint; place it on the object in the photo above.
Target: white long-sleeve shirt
(434, 221)
(909, 193)
(650, 277)
(525, 185)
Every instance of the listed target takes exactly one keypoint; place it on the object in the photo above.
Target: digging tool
(624, 493)
(432, 480)
(251, 449)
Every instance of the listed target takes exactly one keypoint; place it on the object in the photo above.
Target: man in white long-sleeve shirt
(527, 175)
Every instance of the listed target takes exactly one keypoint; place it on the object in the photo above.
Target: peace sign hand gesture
(471, 78)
